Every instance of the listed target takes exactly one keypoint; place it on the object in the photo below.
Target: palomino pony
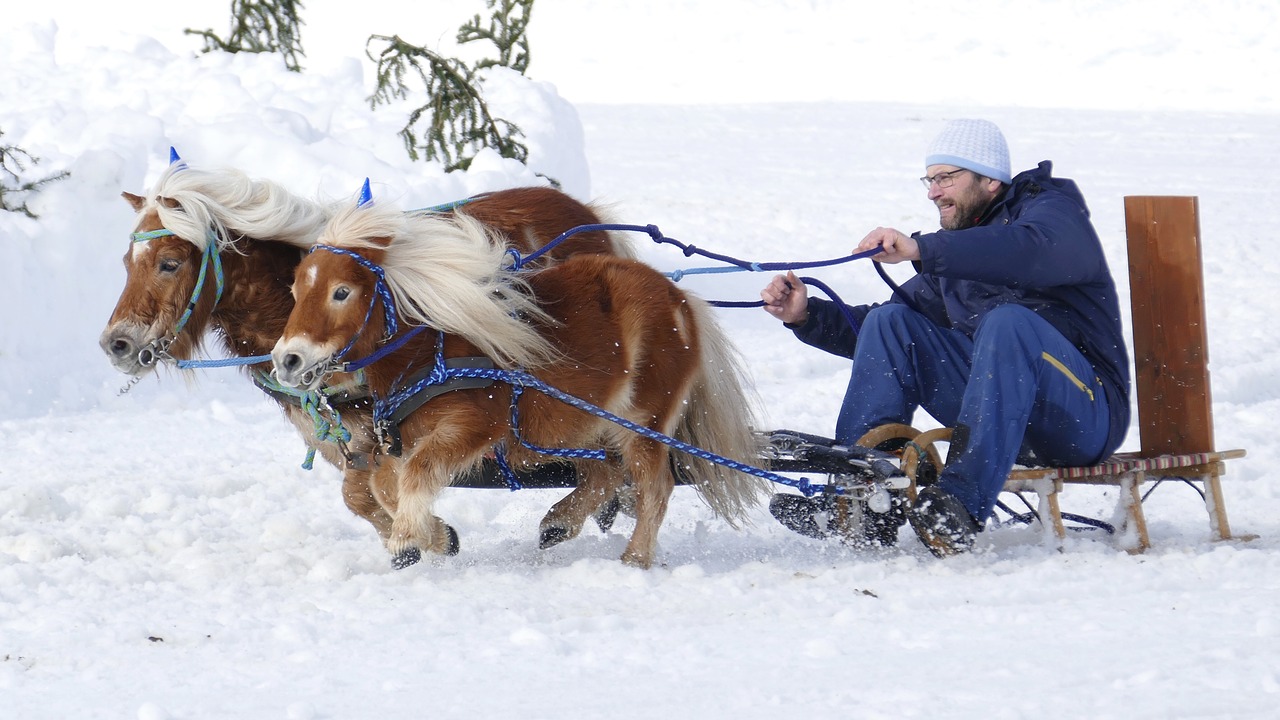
(611, 331)
(217, 250)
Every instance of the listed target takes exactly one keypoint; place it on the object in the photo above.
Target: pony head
(173, 263)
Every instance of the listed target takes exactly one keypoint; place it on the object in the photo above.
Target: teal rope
(326, 429)
(224, 362)
(677, 275)
(152, 234)
(441, 208)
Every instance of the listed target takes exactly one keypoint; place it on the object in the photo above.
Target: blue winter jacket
(1034, 246)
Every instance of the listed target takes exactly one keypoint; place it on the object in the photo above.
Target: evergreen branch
(13, 161)
(507, 30)
(261, 26)
(454, 123)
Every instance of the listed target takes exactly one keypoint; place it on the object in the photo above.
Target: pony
(217, 250)
(611, 331)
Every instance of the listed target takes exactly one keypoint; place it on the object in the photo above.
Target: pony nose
(119, 347)
(291, 362)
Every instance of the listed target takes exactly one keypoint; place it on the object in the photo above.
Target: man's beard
(966, 212)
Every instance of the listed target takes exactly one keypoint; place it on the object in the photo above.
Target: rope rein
(734, 265)
(520, 381)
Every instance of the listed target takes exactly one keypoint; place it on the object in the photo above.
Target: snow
(163, 555)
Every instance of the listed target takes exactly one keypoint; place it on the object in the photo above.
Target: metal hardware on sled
(859, 473)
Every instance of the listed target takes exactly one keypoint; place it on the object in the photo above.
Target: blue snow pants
(1017, 383)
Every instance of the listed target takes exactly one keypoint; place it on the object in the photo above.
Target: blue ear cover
(175, 160)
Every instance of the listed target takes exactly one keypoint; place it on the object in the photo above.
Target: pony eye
(341, 293)
(170, 265)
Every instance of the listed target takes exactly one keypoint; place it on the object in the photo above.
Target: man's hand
(895, 247)
(786, 298)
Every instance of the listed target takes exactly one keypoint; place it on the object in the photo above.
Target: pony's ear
(175, 160)
(366, 195)
(136, 202)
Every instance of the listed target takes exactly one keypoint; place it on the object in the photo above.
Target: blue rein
(520, 381)
(689, 250)
(735, 265)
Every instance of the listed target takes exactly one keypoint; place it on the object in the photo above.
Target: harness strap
(421, 391)
(585, 453)
(421, 387)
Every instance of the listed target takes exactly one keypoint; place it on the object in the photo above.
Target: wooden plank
(1170, 344)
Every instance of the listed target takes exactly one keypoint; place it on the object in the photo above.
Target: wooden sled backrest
(1170, 348)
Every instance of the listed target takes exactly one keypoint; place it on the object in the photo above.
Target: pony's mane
(229, 202)
(447, 271)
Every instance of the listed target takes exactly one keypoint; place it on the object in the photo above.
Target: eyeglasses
(942, 179)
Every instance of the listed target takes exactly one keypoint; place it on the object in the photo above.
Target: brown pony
(611, 331)
(194, 221)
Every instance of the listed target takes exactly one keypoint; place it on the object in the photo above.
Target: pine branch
(455, 122)
(507, 30)
(261, 26)
(13, 161)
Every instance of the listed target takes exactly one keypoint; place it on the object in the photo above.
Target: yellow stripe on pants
(1067, 371)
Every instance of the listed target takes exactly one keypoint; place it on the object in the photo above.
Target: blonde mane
(448, 272)
(231, 204)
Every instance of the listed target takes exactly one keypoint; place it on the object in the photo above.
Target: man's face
(961, 204)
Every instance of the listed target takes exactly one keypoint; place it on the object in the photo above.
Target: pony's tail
(719, 417)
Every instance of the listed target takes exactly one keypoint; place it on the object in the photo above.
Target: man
(1010, 334)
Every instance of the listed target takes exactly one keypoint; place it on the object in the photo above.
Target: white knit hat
(976, 145)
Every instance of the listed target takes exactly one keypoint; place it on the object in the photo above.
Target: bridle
(382, 291)
(157, 350)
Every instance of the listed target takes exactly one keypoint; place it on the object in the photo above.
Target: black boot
(943, 523)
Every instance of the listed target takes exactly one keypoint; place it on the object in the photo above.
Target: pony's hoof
(552, 536)
(635, 559)
(607, 513)
(454, 544)
(410, 556)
